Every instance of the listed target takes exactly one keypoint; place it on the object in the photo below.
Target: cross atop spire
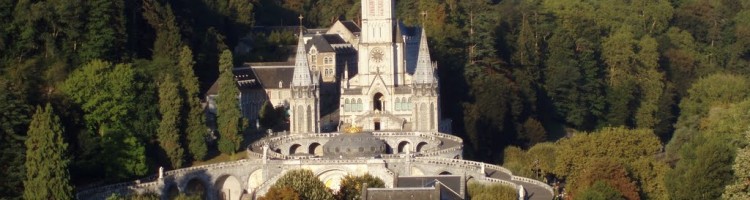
(424, 17)
(300, 22)
(301, 76)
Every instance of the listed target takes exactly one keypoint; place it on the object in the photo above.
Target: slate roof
(353, 27)
(334, 39)
(269, 76)
(452, 181)
(320, 43)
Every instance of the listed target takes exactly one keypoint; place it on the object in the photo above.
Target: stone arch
(420, 146)
(171, 191)
(377, 101)
(196, 186)
(359, 105)
(315, 149)
(404, 147)
(294, 149)
(255, 179)
(228, 187)
(445, 173)
(332, 178)
(388, 149)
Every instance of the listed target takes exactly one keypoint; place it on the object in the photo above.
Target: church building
(377, 75)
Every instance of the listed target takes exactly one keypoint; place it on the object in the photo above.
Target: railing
(532, 181)
(435, 136)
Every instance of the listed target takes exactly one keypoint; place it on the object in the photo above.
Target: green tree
(305, 183)
(483, 191)
(599, 190)
(740, 187)
(169, 131)
(636, 149)
(104, 35)
(227, 106)
(703, 171)
(280, 193)
(351, 186)
(47, 174)
(14, 121)
(193, 111)
(112, 98)
(705, 94)
(168, 40)
(608, 171)
(267, 115)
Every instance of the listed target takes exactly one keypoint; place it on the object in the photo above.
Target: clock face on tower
(376, 55)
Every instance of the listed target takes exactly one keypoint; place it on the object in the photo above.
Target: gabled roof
(270, 76)
(320, 43)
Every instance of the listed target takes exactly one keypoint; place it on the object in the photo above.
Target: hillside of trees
(636, 99)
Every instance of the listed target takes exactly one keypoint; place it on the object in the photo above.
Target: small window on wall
(329, 72)
(327, 60)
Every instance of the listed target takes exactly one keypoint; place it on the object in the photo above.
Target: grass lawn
(220, 158)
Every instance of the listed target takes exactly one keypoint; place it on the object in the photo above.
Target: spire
(301, 69)
(424, 72)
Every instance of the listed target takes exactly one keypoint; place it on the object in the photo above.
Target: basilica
(376, 74)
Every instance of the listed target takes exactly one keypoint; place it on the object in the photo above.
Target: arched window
(347, 106)
(398, 104)
(409, 104)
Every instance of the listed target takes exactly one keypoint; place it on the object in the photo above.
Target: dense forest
(637, 99)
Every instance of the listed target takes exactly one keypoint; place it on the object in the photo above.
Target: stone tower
(304, 102)
(425, 90)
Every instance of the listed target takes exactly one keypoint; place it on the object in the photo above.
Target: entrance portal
(377, 126)
(377, 101)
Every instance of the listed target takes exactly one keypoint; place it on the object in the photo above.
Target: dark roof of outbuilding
(451, 181)
(334, 39)
(320, 43)
(353, 27)
(270, 76)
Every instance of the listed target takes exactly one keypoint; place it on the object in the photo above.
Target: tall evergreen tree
(192, 110)
(104, 36)
(169, 132)
(227, 106)
(13, 123)
(163, 20)
(47, 174)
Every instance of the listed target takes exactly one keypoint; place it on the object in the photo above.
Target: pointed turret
(424, 73)
(301, 69)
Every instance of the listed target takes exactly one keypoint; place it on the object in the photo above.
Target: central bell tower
(377, 21)
(377, 48)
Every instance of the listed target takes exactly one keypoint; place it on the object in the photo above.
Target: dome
(353, 145)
